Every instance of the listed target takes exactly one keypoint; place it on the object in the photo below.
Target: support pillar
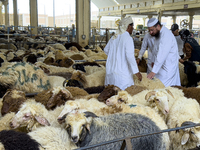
(144, 21)
(99, 23)
(6, 13)
(160, 15)
(15, 16)
(33, 16)
(150, 16)
(191, 17)
(1, 16)
(122, 14)
(83, 22)
(174, 19)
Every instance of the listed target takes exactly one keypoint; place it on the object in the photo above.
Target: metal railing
(127, 140)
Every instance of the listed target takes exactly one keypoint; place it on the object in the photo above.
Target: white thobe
(166, 58)
(148, 41)
(121, 63)
(180, 44)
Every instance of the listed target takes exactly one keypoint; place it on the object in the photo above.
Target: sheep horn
(65, 83)
(148, 95)
(90, 114)
(169, 92)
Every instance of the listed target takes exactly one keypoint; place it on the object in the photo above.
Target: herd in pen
(51, 101)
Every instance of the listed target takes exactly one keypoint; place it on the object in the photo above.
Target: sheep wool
(25, 77)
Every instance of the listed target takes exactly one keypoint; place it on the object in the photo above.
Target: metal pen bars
(127, 140)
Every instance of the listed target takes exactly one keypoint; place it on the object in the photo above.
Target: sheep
(110, 127)
(142, 66)
(135, 89)
(183, 76)
(54, 97)
(68, 45)
(73, 83)
(184, 112)
(12, 140)
(95, 79)
(193, 77)
(92, 105)
(33, 115)
(150, 84)
(109, 91)
(56, 81)
(51, 138)
(76, 92)
(58, 46)
(54, 69)
(25, 77)
(12, 101)
(118, 102)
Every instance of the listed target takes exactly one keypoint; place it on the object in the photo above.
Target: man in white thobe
(165, 54)
(148, 41)
(121, 63)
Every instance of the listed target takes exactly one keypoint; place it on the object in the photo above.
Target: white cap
(152, 22)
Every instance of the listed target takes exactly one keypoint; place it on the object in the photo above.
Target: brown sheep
(12, 101)
(77, 57)
(142, 66)
(109, 91)
(190, 92)
(54, 97)
(76, 92)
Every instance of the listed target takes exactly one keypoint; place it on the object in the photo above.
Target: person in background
(137, 37)
(121, 63)
(191, 47)
(165, 54)
(180, 43)
(148, 42)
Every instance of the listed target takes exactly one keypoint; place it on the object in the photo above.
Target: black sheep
(1, 61)
(13, 140)
(190, 70)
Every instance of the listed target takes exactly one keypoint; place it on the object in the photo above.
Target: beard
(157, 35)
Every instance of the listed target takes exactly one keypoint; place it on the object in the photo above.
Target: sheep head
(160, 99)
(78, 75)
(59, 96)
(122, 97)
(77, 124)
(29, 116)
(12, 101)
(190, 134)
(109, 91)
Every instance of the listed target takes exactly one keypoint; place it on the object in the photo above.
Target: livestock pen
(127, 140)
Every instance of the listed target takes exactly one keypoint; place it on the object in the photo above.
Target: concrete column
(83, 22)
(33, 16)
(6, 5)
(160, 15)
(15, 16)
(150, 16)
(174, 19)
(144, 21)
(191, 17)
(99, 23)
(1, 16)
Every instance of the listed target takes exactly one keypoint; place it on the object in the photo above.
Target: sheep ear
(62, 119)
(169, 92)
(185, 138)
(42, 120)
(149, 94)
(88, 127)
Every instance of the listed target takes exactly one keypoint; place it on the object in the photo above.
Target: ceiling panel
(104, 3)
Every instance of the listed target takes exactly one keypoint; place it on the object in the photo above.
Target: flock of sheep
(49, 101)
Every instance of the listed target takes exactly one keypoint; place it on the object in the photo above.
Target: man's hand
(181, 61)
(139, 75)
(151, 75)
(138, 60)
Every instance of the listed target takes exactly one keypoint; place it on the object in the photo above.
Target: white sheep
(33, 115)
(56, 81)
(150, 84)
(184, 112)
(95, 79)
(52, 138)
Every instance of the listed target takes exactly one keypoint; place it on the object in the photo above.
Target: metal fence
(127, 140)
